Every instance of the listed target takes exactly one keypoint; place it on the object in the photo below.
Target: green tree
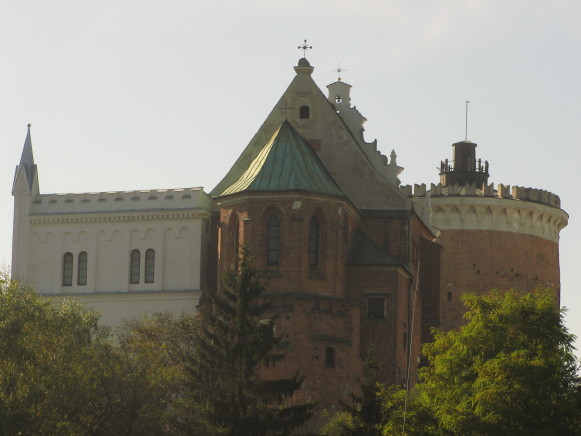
(509, 371)
(365, 409)
(60, 374)
(235, 338)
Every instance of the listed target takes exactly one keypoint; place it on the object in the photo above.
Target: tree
(509, 371)
(366, 409)
(60, 373)
(235, 338)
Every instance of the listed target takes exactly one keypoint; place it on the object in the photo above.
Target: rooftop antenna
(304, 48)
(339, 70)
(466, 131)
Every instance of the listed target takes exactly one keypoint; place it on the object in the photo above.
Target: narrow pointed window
(330, 357)
(68, 269)
(235, 235)
(149, 266)
(82, 269)
(135, 267)
(305, 112)
(314, 236)
(273, 228)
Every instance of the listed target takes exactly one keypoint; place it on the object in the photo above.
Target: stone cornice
(495, 213)
(64, 218)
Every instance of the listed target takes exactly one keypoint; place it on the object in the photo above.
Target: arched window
(330, 357)
(68, 269)
(305, 112)
(135, 266)
(82, 269)
(314, 236)
(149, 266)
(272, 232)
(235, 234)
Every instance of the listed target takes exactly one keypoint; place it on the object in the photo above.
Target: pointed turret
(24, 189)
(25, 176)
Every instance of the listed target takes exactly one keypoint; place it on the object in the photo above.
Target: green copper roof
(286, 163)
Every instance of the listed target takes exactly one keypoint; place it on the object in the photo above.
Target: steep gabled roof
(285, 163)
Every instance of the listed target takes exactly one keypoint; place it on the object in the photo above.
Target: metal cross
(304, 48)
(285, 109)
(339, 70)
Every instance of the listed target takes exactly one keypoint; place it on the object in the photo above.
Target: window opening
(314, 236)
(150, 266)
(135, 266)
(68, 269)
(330, 357)
(273, 227)
(82, 269)
(376, 307)
(305, 112)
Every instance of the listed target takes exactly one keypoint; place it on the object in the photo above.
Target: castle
(351, 257)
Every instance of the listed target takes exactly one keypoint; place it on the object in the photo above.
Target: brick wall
(480, 260)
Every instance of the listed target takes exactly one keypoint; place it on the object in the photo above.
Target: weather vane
(466, 131)
(339, 70)
(304, 48)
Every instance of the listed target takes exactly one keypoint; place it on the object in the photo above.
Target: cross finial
(339, 70)
(285, 108)
(304, 48)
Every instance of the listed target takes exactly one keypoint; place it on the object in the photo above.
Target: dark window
(305, 112)
(82, 269)
(235, 234)
(135, 266)
(272, 232)
(314, 235)
(449, 296)
(68, 269)
(149, 266)
(330, 357)
(376, 307)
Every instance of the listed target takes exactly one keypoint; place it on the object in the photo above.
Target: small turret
(25, 176)
(465, 170)
(24, 189)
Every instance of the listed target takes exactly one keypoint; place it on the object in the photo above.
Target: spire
(27, 157)
(26, 169)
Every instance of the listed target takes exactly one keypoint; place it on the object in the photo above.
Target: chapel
(351, 257)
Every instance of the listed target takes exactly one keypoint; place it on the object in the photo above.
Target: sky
(152, 94)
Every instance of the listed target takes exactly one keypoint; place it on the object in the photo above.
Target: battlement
(470, 190)
(121, 201)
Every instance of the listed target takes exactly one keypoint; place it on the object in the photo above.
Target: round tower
(492, 238)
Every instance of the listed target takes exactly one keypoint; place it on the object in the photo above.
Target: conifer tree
(235, 338)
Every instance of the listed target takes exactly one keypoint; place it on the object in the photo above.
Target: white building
(122, 253)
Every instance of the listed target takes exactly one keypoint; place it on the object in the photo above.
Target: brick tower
(492, 238)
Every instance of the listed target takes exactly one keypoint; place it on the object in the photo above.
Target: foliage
(509, 371)
(366, 409)
(59, 374)
(235, 338)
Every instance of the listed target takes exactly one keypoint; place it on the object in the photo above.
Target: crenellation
(96, 202)
(420, 190)
(471, 190)
(504, 191)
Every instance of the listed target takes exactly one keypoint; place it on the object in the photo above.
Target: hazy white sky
(166, 94)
